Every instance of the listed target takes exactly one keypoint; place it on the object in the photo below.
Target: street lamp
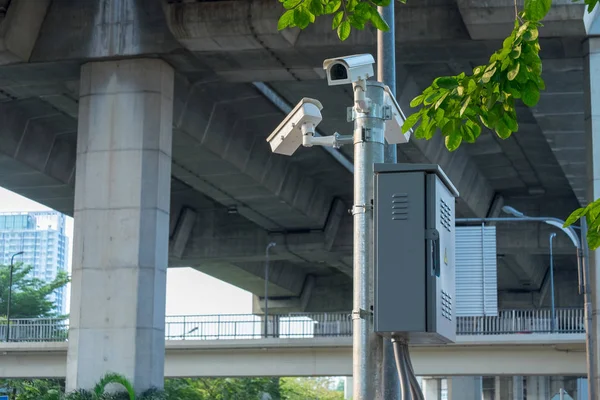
(558, 223)
(552, 236)
(10, 282)
(583, 271)
(272, 244)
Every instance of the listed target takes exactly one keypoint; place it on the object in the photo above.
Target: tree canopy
(30, 296)
(185, 389)
(462, 106)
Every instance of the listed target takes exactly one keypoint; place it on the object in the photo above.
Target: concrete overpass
(239, 195)
(184, 114)
(559, 355)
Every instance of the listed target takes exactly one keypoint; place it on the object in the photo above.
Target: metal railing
(567, 320)
(306, 325)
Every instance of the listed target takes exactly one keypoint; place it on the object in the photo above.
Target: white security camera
(301, 122)
(349, 69)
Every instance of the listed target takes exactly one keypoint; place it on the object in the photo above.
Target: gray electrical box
(414, 253)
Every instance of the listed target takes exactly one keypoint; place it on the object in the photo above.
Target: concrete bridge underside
(229, 195)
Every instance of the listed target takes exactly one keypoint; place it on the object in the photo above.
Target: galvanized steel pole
(386, 73)
(368, 149)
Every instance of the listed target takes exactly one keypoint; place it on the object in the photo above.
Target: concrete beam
(321, 357)
(215, 153)
(19, 29)
(221, 237)
(494, 19)
(102, 29)
(38, 147)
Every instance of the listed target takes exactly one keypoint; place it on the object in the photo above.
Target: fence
(306, 325)
(567, 320)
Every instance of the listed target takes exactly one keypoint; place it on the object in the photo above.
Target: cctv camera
(300, 122)
(349, 69)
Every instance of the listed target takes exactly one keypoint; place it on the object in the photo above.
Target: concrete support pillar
(538, 388)
(432, 388)
(592, 120)
(465, 388)
(121, 230)
(517, 388)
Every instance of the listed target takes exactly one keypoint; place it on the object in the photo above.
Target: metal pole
(368, 149)
(10, 283)
(272, 244)
(590, 345)
(386, 74)
(553, 326)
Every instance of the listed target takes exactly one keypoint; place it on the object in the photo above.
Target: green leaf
(450, 127)
(488, 75)
(531, 35)
(291, 3)
(378, 22)
(530, 94)
(417, 101)
(464, 106)
(410, 122)
(512, 74)
(574, 217)
(453, 140)
(446, 82)
(332, 6)
(357, 21)
(536, 10)
(502, 130)
(516, 52)
(510, 122)
(343, 30)
(468, 134)
(337, 20)
(285, 20)
(301, 17)
(441, 100)
(315, 7)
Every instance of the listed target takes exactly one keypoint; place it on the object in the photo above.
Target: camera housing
(349, 69)
(301, 121)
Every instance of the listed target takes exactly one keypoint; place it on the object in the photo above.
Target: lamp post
(272, 244)
(583, 273)
(10, 282)
(552, 236)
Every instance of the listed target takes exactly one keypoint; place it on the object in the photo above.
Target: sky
(189, 292)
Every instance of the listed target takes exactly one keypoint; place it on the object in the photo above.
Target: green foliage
(29, 295)
(590, 3)
(592, 217)
(310, 389)
(460, 106)
(347, 14)
(113, 378)
(184, 389)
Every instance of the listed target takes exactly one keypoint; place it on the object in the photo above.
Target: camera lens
(338, 72)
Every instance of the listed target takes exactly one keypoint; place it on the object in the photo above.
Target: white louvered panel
(476, 271)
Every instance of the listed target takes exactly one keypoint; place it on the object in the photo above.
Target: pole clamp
(359, 209)
(375, 111)
(359, 314)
